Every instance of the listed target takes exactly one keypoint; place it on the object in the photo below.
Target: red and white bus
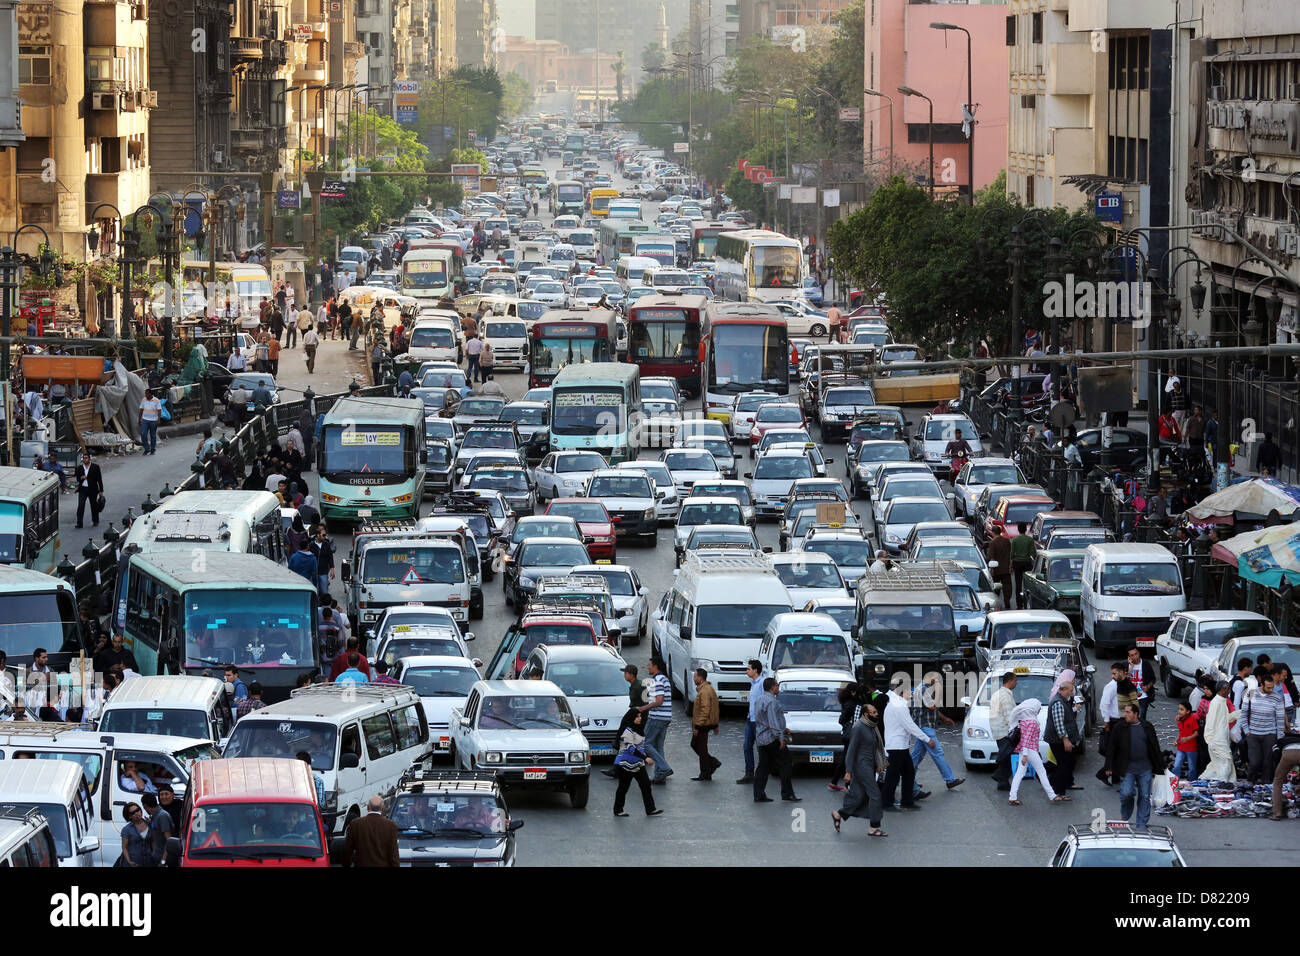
(664, 337)
(744, 347)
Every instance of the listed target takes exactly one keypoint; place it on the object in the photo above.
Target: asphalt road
(718, 823)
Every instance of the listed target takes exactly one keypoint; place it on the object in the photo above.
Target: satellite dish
(1063, 415)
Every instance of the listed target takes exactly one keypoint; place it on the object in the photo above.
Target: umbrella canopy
(1252, 499)
(1267, 556)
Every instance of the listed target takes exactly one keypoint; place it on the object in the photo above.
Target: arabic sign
(354, 438)
(288, 199)
(334, 189)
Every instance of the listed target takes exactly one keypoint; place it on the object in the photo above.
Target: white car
(975, 475)
(563, 225)
(842, 610)
(978, 748)
(591, 677)
(631, 607)
(689, 465)
(849, 549)
(442, 683)
(809, 576)
(562, 474)
(706, 511)
(662, 417)
(935, 432)
(802, 319)
(667, 507)
(905, 485)
(773, 474)
(1196, 638)
(743, 409)
(550, 292)
(1117, 843)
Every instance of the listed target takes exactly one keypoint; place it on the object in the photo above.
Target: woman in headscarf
(256, 480)
(1218, 719)
(631, 763)
(1025, 717)
(1066, 676)
(296, 537)
(864, 758)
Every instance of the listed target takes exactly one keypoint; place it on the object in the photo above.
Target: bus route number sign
(353, 439)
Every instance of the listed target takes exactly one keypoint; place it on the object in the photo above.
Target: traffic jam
(648, 489)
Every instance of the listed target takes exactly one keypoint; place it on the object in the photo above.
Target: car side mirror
(749, 474)
(584, 722)
(349, 761)
(515, 825)
(660, 495)
(982, 642)
(767, 549)
(829, 461)
(90, 844)
(993, 564)
(965, 701)
(685, 632)
(1090, 669)
(642, 591)
(469, 636)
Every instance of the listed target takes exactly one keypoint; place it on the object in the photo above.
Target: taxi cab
(978, 747)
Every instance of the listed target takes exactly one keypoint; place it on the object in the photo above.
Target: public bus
(705, 243)
(598, 201)
(567, 198)
(188, 615)
(29, 518)
(617, 237)
(664, 337)
(623, 209)
(569, 337)
(534, 176)
(37, 610)
(756, 265)
(660, 247)
(597, 407)
(575, 142)
(430, 273)
(371, 459)
(744, 346)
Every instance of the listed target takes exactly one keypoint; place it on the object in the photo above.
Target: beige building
(475, 22)
(84, 83)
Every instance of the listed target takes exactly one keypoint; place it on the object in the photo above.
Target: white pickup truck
(525, 732)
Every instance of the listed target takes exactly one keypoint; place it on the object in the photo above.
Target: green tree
(653, 58)
(517, 96)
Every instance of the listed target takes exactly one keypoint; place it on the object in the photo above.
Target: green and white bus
(371, 459)
(38, 610)
(195, 613)
(596, 406)
(618, 237)
(29, 518)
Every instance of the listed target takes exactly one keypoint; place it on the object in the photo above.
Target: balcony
(312, 71)
(1072, 68)
(276, 53)
(248, 139)
(246, 49)
(353, 50)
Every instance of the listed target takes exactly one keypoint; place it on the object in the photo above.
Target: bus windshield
(413, 566)
(664, 253)
(747, 357)
(570, 192)
(29, 621)
(706, 243)
(424, 274)
(365, 449)
(248, 627)
(588, 411)
(255, 830)
(664, 334)
(555, 353)
(775, 267)
(600, 203)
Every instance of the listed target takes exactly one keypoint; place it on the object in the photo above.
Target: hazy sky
(517, 18)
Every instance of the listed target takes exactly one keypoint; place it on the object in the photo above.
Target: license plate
(604, 561)
(364, 512)
(444, 743)
(534, 774)
(1146, 642)
(821, 756)
(602, 751)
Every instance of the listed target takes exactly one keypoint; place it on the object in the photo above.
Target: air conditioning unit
(138, 11)
(1291, 244)
(103, 101)
(1279, 236)
(1028, 101)
(128, 101)
(1216, 93)
(151, 99)
(1238, 120)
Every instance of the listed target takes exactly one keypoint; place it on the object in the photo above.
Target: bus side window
(351, 741)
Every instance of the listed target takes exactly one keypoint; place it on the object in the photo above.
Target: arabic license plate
(602, 751)
(364, 512)
(1146, 642)
(604, 561)
(821, 756)
(535, 774)
(444, 743)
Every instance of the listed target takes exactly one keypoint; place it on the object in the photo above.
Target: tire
(817, 331)
(579, 793)
(1171, 684)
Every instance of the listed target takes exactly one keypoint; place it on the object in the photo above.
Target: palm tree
(620, 65)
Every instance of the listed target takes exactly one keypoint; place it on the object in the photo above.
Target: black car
(1128, 448)
(452, 818)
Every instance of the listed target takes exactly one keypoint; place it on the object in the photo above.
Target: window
(1036, 26)
(34, 65)
(406, 722)
(1011, 30)
(351, 741)
(99, 63)
(380, 739)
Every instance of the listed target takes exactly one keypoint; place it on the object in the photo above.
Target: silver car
(631, 607)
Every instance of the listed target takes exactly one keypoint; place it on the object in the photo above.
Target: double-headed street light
(890, 100)
(908, 91)
(968, 119)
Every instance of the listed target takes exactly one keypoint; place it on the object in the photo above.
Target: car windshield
(690, 461)
(612, 486)
(1029, 630)
(552, 555)
(1080, 538)
(1026, 512)
(400, 647)
(994, 475)
(1027, 686)
(785, 466)
(843, 616)
(591, 511)
(778, 413)
(696, 514)
(458, 815)
(853, 554)
(430, 337)
(913, 630)
(736, 620)
(890, 452)
(963, 597)
(505, 330)
(524, 711)
(499, 479)
(920, 487)
(285, 737)
(443, 378)
(441, 680)
(488, 438)
(543, 527)
(1149, 857)
(966, 553)
(945, 429)
(819, 697)
(1141, 577)
(739, 492)
(810, 650)
(411, 565)
(910, 512)
(1065, 569)
(244, 831)
(172, 721)
(661, 407)
(850, 396)
(588, 678)
(480, 406)
(809, 574)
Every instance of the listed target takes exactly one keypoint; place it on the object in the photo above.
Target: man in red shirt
(341, 662)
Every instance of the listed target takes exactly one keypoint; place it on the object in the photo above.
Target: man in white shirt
(273, 480)
(900, 731)
(1000, 708)
(237, 362)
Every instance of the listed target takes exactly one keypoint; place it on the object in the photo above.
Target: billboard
(406, 101)
(468, 175)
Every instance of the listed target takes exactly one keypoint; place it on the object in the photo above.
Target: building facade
(475, 21)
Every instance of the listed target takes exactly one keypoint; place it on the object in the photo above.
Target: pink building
(903, 50)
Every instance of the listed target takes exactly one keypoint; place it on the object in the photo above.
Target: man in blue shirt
(354, 674)
(263, 397)
(305, 563)
(755, 672)
(232, 678)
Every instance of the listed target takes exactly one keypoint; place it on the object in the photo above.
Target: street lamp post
(908, 91)
(890, 100)
(969, 118)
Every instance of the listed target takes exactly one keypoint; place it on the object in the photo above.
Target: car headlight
(571, 483)
(1108, 615)
(977, 733)
(331, 499)
(527, 580)
(491, 756)
(698, 662)
(892, 539)
(649, 514)
(331, 803)
(879, 668)
(578, 756)
(670, 499)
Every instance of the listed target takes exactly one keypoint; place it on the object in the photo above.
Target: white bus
(428, 273)
(758, 265)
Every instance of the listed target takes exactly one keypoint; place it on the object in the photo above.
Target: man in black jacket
(90, 487)
(1133, 756)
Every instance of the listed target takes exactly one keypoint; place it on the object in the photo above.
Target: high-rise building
(475, 20)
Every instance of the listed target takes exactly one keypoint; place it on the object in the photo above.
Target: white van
(1129, 593)
(105, 760)
(630, 270)
(361, 738)
(434, 338)
(584, 243)
(508, 337)
(58, 789)
(405, 568)
(715, 616)
(25, 839)
(177, 704)
(252, 285)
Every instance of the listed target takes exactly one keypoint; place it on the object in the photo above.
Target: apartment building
(475, 21)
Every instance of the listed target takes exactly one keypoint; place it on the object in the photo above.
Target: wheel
(578, 794)
(817, 331)
(1171, 683)
(353, 814)
(476, 609)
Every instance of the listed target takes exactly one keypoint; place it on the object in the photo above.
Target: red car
(594, 523)
(1012, 510)
(774, 415)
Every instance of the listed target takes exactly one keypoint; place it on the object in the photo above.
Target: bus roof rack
(905, 577)
(368, 691)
